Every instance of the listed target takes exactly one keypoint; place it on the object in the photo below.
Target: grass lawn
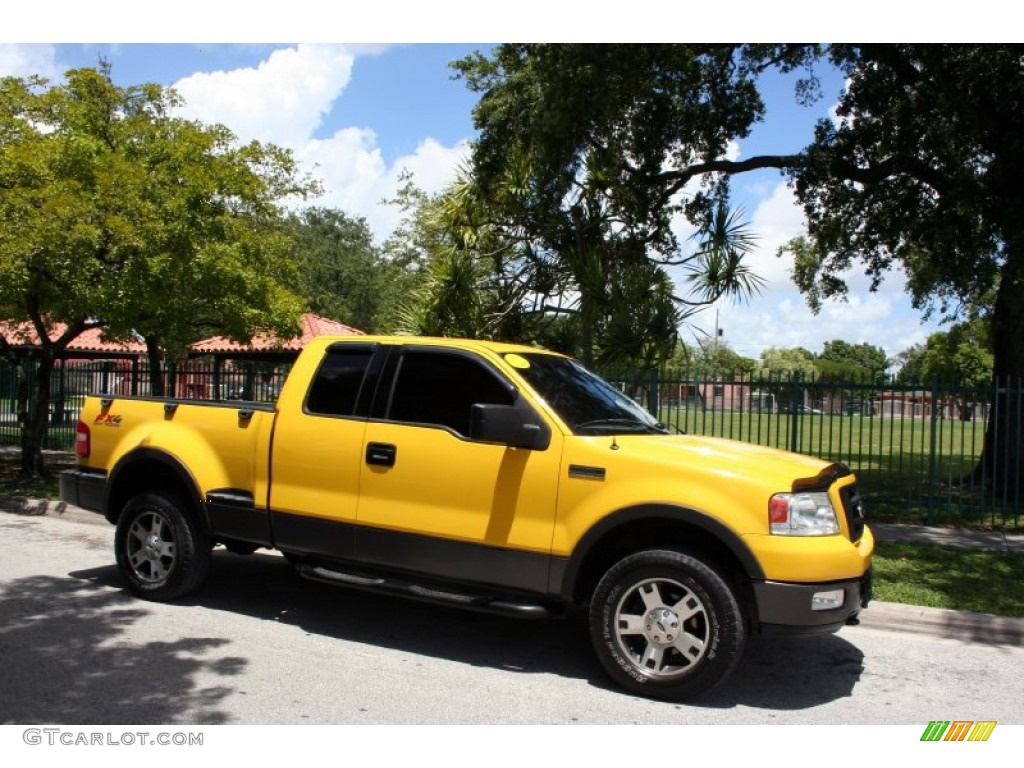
(950, 577)
(908, 470)
(36, 488)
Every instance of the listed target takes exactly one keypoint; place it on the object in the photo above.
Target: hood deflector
(824, 479)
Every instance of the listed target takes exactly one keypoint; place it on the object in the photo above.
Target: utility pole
(719, 332)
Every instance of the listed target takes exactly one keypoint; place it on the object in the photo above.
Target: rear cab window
(340, 382)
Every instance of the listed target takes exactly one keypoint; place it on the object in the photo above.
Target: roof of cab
(498, 347)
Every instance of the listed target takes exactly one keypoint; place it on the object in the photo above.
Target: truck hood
(729, 460)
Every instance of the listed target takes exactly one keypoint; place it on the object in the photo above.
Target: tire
(665, 625)
(161, 550)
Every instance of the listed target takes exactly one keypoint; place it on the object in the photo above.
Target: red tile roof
(24, 335)
(311, 325)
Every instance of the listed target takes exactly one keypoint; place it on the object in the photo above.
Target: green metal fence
(194, 380)
(919, 451)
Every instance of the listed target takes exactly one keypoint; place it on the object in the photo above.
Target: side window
(441, 388)
(335, 387)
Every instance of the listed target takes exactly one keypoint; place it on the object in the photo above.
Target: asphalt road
(260, 645)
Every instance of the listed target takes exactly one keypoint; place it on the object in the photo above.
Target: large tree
(842, 360)
(959, 357)
(711, 356)
(921, 169)
(918, 170)
(342, 273)
(580, 283)
(561, 181)
(116, 214)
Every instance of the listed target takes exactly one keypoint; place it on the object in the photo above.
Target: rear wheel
(160, 548)
(666, 625)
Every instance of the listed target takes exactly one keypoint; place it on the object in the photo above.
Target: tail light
(83, 440)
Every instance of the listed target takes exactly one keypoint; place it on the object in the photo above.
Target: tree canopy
(785, 363)
(116, 214)
(842, 360)
(572, 254)
(960, 357)
(341, 272)
(711, 356)
(641, 120)
(919, 169)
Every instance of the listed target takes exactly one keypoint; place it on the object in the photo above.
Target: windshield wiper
(651, 429)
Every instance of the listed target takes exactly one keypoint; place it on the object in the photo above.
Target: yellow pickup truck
(488, 476)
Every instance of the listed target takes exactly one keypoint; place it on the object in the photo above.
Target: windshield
(587, 404)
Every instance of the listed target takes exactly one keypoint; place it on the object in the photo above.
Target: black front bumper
(786, 608)
(84, 488)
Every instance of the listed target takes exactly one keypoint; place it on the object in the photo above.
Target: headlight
(802, 514)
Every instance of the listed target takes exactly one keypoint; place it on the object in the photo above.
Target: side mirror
(508, 425)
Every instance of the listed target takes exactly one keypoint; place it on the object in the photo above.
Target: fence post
(652, 394)
(217, 364)
(795, 401)
(933, 458)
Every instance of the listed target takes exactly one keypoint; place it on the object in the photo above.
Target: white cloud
(777, 219)
(780, 317)
(285, 99)
(349, 162)
(357, 179)
(25, 60)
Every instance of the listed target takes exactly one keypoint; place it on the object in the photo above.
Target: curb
(966, 626)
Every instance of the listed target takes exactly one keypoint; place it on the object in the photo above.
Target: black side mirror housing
(509, 425)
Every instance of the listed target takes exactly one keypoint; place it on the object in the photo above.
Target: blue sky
(357, 115)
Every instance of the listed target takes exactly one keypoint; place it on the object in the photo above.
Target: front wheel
(161, 549)
(666, 625)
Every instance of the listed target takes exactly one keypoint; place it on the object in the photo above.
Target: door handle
(381, 454)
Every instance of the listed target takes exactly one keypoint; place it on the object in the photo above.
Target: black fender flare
(564, 583)
(167, 461)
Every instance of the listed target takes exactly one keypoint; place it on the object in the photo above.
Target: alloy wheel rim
(150, 547)
(662, 627)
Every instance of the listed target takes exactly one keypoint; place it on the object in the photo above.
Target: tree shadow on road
(67, 656)
(776, 673)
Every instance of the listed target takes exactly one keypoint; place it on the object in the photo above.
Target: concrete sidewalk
(949, 537)
(965, 626)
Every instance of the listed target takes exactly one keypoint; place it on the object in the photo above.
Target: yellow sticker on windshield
(517, 361)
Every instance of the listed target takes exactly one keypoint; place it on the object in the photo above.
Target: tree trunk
(33, 431)
(21, 366)
(1001, 464)
(22, 363)
(34, 413)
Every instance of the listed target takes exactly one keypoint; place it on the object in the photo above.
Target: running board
(391, 585)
